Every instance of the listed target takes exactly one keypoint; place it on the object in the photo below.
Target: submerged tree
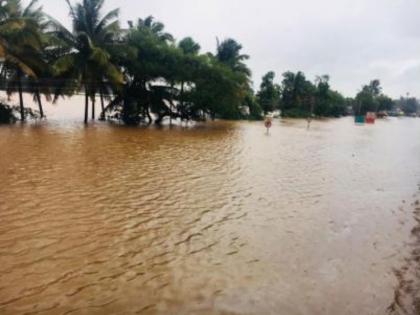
(328, 102)
(322, 95)
(187, 68)
(371, 99)
(148, 60)
(164, 80)
(87, 62)
(385, 103)
(297, 94)
(300, 97)
(269, 94)
(236, 73)
(7, 115)
(21, 46)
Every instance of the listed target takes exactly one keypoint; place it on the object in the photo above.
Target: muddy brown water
(213, 219)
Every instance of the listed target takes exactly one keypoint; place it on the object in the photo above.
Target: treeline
(298, 97)
(142, 74)
(138, 74)
(407, 106)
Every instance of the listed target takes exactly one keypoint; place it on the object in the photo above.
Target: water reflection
(219, 218)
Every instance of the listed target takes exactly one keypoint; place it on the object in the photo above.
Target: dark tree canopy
(269, 94)
(371, 99)
(299, 97)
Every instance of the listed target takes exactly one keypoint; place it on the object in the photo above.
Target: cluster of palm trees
(21, 42)
(140, 73)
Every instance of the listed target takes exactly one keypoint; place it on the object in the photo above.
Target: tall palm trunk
(170, 116)
(182, 94)
(86, 105)
(149, 117)
(171, 107)
(93, 106)
(22, 110)
(101, 95)
(102, 103)
(38, 98)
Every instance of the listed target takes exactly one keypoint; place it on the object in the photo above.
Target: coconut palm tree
(87, 62)
(38, 84)
(20, 45)
(12, 25)
(148, 59)
(190, 49)
(189, 46)
(154, 27)
(229, 53)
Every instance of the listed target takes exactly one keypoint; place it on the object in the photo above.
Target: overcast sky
(353, 41)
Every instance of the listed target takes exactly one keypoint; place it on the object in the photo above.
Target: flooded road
(215, 219)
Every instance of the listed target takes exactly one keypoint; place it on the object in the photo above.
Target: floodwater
(213, 219)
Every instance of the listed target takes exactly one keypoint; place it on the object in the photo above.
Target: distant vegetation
(299, 97)
(142, 74)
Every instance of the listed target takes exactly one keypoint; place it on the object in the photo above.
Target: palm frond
(110, 17)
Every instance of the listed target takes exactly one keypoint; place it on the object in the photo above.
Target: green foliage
(189, 46)
(323, 96)
(298, 97)
(295, 113)
(371, 99)
(269, 94)
(385, 103)
(154, 29)
(366, 102)
(22, 44)
(20, 35)
(337, 105)
(328, 103)
(86, 61)
(218, 90)
(236, 75)
(297, 92)
(167, 80)
(229, 53)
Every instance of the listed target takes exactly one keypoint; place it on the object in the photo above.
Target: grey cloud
(352, 40)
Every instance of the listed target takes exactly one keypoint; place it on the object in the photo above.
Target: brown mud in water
(407, 293)
(215, 219)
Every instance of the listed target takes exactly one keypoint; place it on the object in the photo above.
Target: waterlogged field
(213, 219)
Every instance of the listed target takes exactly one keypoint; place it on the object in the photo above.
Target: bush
(7, 114)
(295, 113)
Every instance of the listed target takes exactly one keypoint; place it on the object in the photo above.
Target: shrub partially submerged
(7, 114)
